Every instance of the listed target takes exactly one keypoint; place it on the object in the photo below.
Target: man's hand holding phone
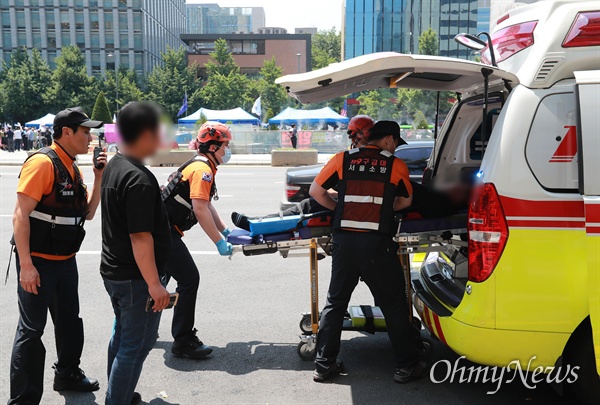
(160, 295)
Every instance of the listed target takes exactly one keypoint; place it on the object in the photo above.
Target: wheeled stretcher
(312, 233)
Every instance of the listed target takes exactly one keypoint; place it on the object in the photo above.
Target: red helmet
(212, 131)
(359, 127)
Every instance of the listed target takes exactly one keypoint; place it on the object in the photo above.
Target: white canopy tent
(47, 121)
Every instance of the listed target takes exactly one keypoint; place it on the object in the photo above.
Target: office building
(128, 33)
(291, 51)
(483, 15)
(212, 19)
(395, 25)
(306, 30)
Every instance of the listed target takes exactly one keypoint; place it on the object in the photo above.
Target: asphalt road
(248, 309)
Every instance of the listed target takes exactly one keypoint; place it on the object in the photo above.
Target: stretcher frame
(408, 243)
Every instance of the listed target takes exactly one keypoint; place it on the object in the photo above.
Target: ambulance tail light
(509, 41)
(488, 232)
(291, 190)
(585, 30)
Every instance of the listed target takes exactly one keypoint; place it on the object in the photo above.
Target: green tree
(129, 88)
(326, 48)
(379, 104)
(428, 42)
(24, 85)
(167, 83)
(71, 85)
(101, 111)
(420, 122)
(273, 96)
(222, 60)
(226, 86)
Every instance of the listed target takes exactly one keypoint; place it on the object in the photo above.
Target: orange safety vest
(365, 192)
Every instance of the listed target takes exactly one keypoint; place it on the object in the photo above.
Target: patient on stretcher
(427, 203)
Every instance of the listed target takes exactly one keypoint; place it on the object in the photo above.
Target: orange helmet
(213, 132)
(359, 126)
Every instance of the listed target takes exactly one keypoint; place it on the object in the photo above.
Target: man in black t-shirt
(136, 241)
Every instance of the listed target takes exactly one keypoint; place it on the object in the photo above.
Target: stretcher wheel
(306, 324)
(425, 348)
(307, 351)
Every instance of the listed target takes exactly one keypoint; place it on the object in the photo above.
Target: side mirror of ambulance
(470, 41)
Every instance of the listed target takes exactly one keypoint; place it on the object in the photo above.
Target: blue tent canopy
(235, 116)
(321, 115)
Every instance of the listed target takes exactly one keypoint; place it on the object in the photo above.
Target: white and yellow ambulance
(527, 287)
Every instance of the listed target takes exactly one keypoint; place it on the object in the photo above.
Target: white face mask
(226, 157)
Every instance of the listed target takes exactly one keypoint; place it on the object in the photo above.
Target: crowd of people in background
(16, 137)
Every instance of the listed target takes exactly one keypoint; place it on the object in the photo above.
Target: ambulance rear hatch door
(395, 70)
(588, 130)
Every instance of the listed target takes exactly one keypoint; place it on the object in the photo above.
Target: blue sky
(289, 14)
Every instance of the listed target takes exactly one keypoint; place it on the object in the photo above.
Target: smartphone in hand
(173, 298)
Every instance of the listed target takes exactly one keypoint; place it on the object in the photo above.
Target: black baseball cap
(383, 128)
(74, 116)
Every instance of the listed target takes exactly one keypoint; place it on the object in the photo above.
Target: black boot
(75, 381)
(191, 348)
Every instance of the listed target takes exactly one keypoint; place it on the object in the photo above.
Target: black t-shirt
(10, 134)
(131, 203)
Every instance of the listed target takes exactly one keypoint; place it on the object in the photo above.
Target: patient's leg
(306, 206)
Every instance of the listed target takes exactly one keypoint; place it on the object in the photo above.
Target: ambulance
(526, 288)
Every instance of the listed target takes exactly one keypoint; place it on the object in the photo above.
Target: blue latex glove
(225, 248)
(225, 232)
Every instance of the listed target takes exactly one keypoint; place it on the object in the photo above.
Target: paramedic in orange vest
(372, 183)
(52, 205)
(188, 197)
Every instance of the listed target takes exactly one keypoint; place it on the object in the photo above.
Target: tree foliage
(71, 85)
(101, 111)
(272, 95)
(168, 82)
(129, 88)
(379, 104)
(326, 48)
(428, 42)
(24, 86)
(226, 86)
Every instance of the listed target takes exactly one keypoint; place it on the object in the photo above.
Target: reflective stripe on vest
(363, 199)
(370, 226)
(54, 219)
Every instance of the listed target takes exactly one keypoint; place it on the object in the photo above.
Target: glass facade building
(483, 16)
(212, 19)
(395, 25)
(128, 33)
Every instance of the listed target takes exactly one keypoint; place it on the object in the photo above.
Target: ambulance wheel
(307, 351)
(306, 324)
(425, 348)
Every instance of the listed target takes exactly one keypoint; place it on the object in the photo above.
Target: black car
(298, 179)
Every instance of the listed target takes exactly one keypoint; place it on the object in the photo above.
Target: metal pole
(116, 85)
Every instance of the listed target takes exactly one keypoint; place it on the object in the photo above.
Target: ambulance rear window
(551, 149)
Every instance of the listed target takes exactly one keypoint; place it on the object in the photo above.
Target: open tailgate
(391, 69)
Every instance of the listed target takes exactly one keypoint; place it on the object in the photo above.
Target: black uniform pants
(58, 293)
(182, 268)
(372, 257)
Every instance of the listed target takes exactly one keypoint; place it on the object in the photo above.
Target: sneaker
(136, 398)
(407, 374)
(76, 381)
(191, 348)
(335, 369)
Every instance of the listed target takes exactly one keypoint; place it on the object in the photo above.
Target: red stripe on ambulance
(567, 149)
